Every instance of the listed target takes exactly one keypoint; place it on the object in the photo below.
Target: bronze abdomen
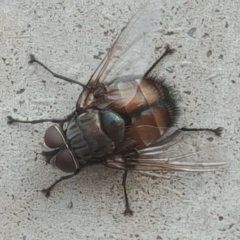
(147, 106)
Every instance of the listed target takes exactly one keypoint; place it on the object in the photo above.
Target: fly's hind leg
(48, 190)
(216, 131)
(167, 50)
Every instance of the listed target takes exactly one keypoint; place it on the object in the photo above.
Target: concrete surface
(71, 37)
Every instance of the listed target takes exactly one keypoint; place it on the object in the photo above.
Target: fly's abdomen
(155, 114)
(149, 106)
(93, 135)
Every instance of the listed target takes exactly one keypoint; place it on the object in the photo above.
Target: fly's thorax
(86, 139)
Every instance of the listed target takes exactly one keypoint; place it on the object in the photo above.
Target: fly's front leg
(53, 120)
(48, 190)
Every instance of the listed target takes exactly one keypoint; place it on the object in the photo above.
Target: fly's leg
(49, 189)
(217, 131)
(33, 59)
(53, 120)
(167, 51)
(127, 211)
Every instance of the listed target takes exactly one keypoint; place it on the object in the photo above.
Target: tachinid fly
(125, 114)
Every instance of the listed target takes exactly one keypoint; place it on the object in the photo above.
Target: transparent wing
(175, 153)
(130, 53)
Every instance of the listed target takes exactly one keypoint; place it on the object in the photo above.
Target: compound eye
(65, 162)
(53, 137)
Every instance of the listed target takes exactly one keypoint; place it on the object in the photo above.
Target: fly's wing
(130, 53)
(180, 152)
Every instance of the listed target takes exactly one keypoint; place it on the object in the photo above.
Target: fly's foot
(10, 120)
(46, 192)
(32, 59)
(128, 212)
(218, 131)
(169, 50)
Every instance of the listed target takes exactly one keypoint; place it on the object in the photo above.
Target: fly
(124, 116)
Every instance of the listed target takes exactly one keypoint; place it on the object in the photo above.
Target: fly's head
(57, 151)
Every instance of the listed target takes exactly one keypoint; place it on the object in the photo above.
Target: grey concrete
(68, 36)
